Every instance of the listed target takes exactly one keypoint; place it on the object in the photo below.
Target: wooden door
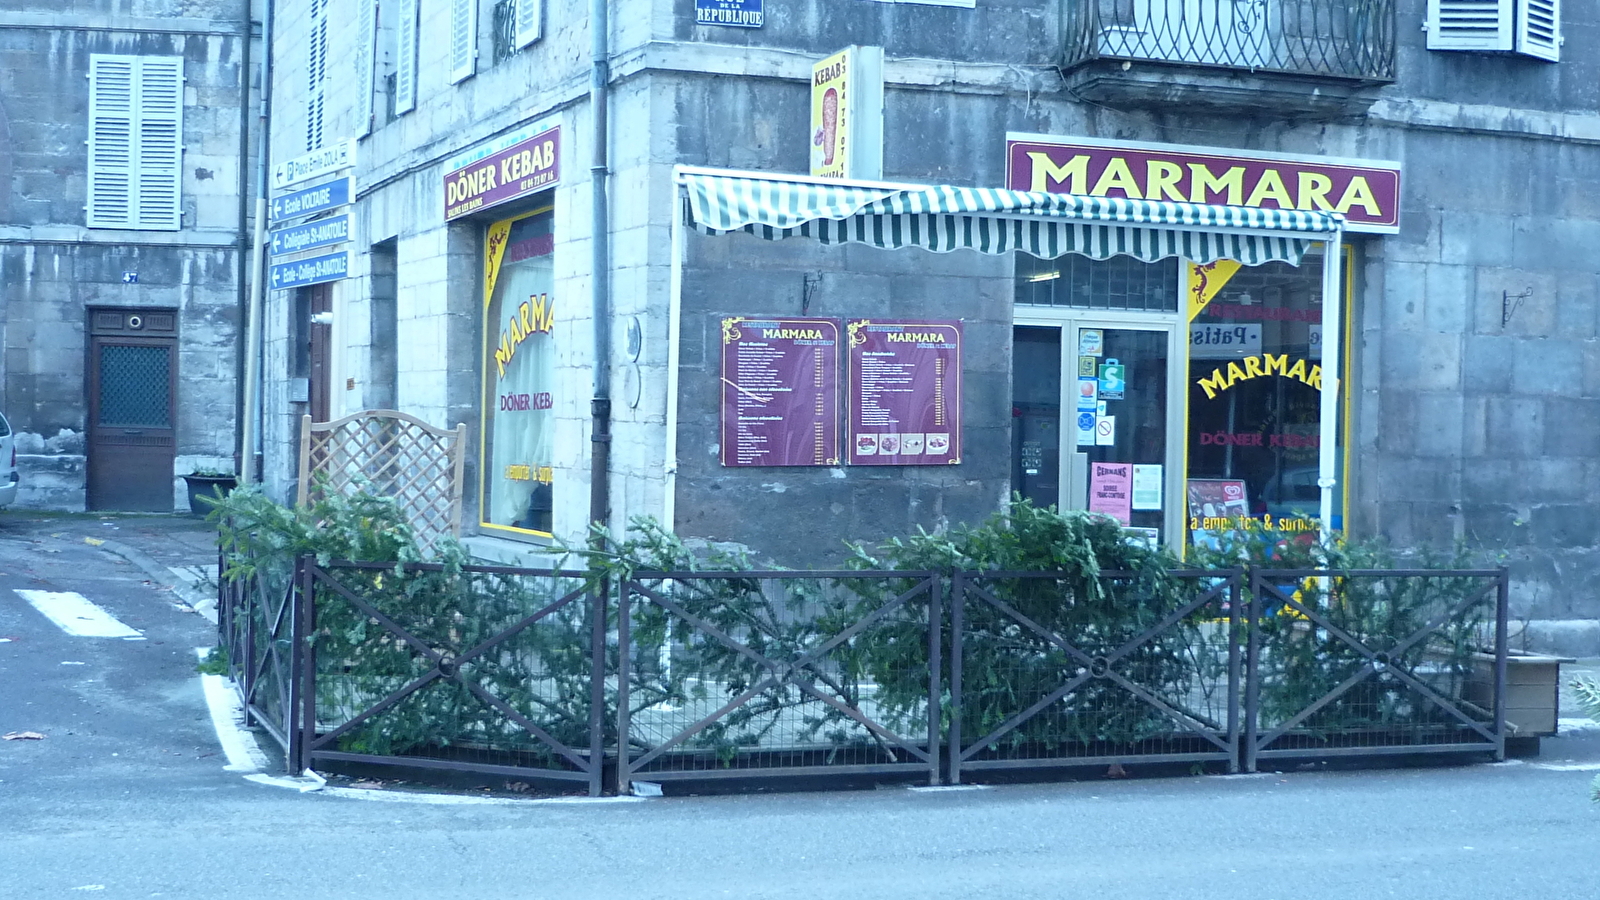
(132, 399)
(320, 337)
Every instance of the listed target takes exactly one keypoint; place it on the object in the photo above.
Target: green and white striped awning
(996, 221)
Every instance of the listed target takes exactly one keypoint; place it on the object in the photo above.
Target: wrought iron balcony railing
(1352, 39)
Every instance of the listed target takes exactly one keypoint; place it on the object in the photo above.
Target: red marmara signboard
(1366, 191)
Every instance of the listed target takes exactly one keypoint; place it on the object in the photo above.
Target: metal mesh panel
(478, 670)
(749, 673)
(1057, 669)
(1373, 661)
(135, 386)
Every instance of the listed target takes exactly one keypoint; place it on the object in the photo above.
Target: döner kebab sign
(501, 171)
(1367, 191)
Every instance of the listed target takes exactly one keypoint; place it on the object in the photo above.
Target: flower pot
(212, 486)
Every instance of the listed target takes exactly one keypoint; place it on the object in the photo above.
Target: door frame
(1074, 465)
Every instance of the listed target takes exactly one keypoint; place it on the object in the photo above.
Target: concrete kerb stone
(183, 587)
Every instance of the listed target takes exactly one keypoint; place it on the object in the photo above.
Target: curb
(196, 600)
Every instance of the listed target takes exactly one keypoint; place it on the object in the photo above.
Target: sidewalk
(174, 551)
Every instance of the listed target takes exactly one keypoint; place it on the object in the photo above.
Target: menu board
(780, 392)
(905, 392)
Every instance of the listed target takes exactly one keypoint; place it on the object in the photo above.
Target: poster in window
(519, 386)
(904, 392)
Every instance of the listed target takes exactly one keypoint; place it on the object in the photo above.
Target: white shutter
(405, 58)
(135, 142)
(529, 14)
(1539, 28)
(463, 39)
(159, 174)
(111, 162)
(366, 58)
(1469, 24)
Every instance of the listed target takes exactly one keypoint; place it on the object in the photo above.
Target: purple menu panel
(905, 392)
(780, 392)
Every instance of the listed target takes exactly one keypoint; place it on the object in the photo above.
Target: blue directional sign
(321, 233)
(303, 272)
(315, 198)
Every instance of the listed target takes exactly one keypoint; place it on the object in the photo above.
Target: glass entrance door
(1097, 418)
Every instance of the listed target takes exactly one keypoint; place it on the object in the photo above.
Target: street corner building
(857, 268)
(123, 243)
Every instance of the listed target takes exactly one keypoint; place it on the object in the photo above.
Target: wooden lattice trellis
(389, 454)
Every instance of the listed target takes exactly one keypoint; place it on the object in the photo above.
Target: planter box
(1533, 691)
(207, 486)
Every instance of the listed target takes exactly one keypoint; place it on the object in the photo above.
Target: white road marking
(245, 755)
(1569, 767)
(75, 615)
(227, 717)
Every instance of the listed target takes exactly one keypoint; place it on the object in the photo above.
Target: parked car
(8, 464)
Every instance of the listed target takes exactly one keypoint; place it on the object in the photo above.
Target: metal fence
(1374, 662)
(779, 673)
(257, 621)
(537, 675)
(1056, 669)
(1334, 38)
(484, 669)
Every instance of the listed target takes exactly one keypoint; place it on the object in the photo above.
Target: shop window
(519, 386)
(1120, 283)
(1255, 369)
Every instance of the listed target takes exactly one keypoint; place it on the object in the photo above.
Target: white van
(8, 464)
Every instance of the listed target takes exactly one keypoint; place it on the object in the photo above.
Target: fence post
(1252, 672)
(291, 716)
(251, 588)
(936, 587)
(597, 686)
(624, 654)
(1501, 611)
(1235, 597)
(957, 613)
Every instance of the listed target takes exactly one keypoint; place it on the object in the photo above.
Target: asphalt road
(126, 796)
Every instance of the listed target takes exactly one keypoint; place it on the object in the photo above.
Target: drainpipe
(600, 405)
(243, 251)
(250, 415)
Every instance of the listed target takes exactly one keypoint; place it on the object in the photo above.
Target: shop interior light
(1045, 276)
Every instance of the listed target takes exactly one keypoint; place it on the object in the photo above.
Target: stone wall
(52, 268)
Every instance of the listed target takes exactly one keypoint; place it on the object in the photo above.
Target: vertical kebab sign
(905, 392)
(847, 114)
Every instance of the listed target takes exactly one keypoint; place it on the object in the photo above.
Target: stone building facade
(123, 240)
(1472, 398)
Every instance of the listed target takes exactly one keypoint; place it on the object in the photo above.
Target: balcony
(1285, 58)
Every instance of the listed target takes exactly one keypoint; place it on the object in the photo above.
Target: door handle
(133, 431)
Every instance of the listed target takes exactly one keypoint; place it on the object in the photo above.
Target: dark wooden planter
(207, 486)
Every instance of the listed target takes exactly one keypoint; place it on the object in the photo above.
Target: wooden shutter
(405, 58)
(1469, 24)
(463, 39)
(159, 174)
(529, 16)
(135, 160)
(316, 73)
(1539, 28)
(366, 63)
